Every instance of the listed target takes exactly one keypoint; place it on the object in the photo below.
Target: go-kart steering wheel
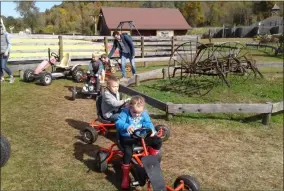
(55, 56)
(142, 133)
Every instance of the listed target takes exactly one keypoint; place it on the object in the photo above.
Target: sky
(8, 8)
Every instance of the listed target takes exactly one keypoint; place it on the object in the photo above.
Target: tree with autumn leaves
(79, 17)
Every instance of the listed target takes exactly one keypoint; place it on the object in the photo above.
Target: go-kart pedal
(154, 172)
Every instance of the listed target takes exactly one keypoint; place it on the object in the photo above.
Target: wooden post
(142, 46)
(60, 47)
(169, 116)
(266, 118)
(142, 50)
(137, 80)
(165, 73)
(106, 44)
(21, 74)
(172, 45)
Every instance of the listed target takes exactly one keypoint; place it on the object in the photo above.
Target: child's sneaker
(12, 79)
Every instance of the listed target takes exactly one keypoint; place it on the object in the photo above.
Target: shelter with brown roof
(148, 21)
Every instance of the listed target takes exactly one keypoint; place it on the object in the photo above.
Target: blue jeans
(114, 117)
(124, 56)
(4, 61)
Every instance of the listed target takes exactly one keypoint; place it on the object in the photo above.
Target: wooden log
(149, 100)
(60, 47)
(220, 108)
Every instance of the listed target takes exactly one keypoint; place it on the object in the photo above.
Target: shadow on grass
(158, 116)
(78, 95)
(113, 175)
(79, 125)
(90, 150)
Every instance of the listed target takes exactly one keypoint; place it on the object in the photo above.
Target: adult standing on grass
(5, 51)
(126, 51)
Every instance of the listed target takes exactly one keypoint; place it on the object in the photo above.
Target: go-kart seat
(99, 111)
(65, 61)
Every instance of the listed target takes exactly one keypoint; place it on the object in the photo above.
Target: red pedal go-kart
(145, 168)
(102, 126)
(89, 88)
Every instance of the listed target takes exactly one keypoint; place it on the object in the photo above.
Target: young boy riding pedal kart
(92, 80)
(108, 107)
(139, 146)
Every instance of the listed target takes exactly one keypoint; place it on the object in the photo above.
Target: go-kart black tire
(74, 93)
(166, 132)
(28, 75)
(101, 163)
(45, 78)
(90, 135)
(77, 73)
(189, 183)
(5, 151)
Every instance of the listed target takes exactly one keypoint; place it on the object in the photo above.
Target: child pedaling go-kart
(139, 145)
(58, 70)
(109, 106)
(93, 78)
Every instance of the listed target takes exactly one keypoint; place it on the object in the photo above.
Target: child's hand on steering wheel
(130, 129)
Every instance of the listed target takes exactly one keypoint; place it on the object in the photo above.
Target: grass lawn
(43, 125)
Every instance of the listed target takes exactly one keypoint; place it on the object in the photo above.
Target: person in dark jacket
(126, 51)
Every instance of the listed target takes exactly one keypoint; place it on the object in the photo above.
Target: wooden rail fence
(171, 109)
(34, 47)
